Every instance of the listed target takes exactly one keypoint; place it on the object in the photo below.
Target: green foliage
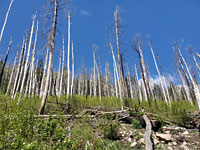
(136, 124)
(20, 129)
(111, 130)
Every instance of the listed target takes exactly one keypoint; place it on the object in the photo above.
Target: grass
(19, 129)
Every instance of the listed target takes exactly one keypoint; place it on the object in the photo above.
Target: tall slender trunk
(72, 83)
(137, 83)
(32, 67)
(53, 35)
(58, 76)
(5, 21)
(62, 72)
(19, 67)
(27, 59)
(94, 75)
(116, 15)
(130, 82)
(4, 64)
(11, 76)
(115, 71)
(195, 85)
(44, 72)
(68, 57)
(160, 78)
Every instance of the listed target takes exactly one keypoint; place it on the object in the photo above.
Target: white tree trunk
(160, 78)
(94, 75)
(115, 70)
(58, 76)
(68, 57)
(11, 76)
(196, 88)
(62, 72)
(53, 35)
(32, 67)
(5, 21)
(27, 59)
(72, 84)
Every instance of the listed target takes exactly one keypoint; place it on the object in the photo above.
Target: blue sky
(93, 22)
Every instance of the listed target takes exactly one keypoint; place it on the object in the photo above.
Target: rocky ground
(167, 137)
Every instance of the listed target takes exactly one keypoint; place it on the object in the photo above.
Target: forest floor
(89, 123)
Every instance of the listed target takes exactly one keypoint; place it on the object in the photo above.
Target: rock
(169, 148)
(167, 132)
(156, 141)
(133, 144)
(174, 143)
(141, 141)
(129, 139)
(164, 137)
(185, 132)
(180, 139)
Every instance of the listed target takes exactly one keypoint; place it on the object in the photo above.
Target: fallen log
(147, 136)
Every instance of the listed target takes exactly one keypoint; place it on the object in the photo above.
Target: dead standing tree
(116, 16)
(52, 45)
(137, 46)
(5, 21)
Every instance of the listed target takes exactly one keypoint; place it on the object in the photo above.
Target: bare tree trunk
(117, 84)
(138, 49)
(5, 21)
(58, 76)
(44, 72)
(94, 75)
(53, 35)
(27, 59)
(195, 85)
(32, 68)
(72, 84)
(160, 78)
(99, 79)
(116, 15)
(68, 57)
(11, 76)
(4, 64)
(130, 83)
(138, 86)
(107, 72)
(62, 72)
(20, 66)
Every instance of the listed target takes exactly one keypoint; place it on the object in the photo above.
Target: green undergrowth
(21, 129)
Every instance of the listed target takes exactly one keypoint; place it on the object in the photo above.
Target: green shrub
(136, 124)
